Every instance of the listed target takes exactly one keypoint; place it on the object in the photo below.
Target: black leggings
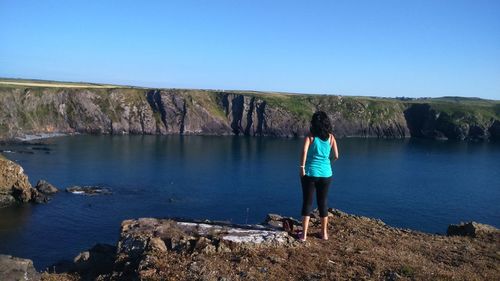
(309, 184)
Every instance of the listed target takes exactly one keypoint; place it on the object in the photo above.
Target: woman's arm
(303, 157)
(335, 149)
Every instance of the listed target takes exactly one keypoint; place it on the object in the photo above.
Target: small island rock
(45, 187)
(88, 190)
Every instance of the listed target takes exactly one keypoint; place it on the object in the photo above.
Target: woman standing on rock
(316, 170)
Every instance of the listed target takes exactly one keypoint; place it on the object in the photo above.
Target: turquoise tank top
(318, 159)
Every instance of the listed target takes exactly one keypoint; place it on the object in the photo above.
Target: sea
(422, 185)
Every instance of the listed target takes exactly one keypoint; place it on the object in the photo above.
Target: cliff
(359, 248)
(28, 109)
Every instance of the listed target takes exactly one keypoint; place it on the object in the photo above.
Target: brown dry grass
(59, 277)
(357, 250)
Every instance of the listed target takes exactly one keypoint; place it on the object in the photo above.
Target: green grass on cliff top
(299, 104)
(458, 106)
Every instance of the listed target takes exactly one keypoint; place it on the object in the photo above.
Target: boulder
(45, 187)
(12, 268)
(471, 229)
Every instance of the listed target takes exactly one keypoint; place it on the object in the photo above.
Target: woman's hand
(303, 155)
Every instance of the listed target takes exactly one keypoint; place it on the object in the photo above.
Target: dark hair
(321, 126)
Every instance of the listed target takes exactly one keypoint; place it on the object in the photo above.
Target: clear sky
(419, 48)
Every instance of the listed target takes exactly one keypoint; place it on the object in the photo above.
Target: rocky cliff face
(170, 111)
(425, 121)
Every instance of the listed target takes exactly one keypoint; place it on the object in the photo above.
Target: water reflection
(13, 218)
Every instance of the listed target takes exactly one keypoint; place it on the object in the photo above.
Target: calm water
(423, 185)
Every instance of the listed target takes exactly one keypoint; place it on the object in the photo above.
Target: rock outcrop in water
(37, 110)
(16, 188)
(89, 190)
(45, 187)
(14, 185)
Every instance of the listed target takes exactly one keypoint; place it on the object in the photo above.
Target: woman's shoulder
(331, 138)
(310, 137)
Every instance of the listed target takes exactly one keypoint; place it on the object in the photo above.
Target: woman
(316, 170)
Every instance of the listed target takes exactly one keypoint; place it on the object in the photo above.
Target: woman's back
(318, 158)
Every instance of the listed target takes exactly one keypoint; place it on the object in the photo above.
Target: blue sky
(377, 48)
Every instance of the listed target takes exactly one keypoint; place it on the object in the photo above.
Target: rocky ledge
(144, 243)
(359, 248)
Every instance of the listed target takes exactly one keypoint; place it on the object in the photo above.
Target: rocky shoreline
(15, 187)
(359, 248)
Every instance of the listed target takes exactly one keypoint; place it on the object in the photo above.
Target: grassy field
(54, 84)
